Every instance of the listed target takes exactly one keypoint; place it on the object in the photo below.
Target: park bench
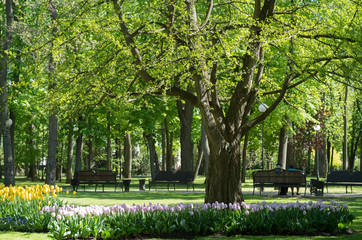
(269, 178)
(97, 177)
(344, 178)
(171, 178)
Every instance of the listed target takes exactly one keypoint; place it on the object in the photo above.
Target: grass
(89, 197)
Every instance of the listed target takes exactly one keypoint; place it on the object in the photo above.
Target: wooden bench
(344, 178)
(98, 177)
(269, 178)
(170, 178)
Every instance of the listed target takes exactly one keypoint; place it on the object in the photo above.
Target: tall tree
(9, 172)
(53, 119)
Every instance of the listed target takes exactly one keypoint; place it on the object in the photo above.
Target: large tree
(222, 48)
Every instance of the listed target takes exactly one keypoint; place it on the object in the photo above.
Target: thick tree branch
(330, 36)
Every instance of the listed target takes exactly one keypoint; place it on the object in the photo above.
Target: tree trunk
(9, 173)
(290, 150)
(52, 150)
(324, 160)
(90, 153)
(1, 168)
(345, 137)
(332, 155)
(360, 155)
(12, 132)
(59, 171)
(185, 113)
(109, 146)
(283, 147)
(155, 168)
(31, 173)
(169, 143)
(164, 147)
(127, 156)
(78, 149)
(223, 180)
(245, 150)
(205, 148)
(199, 160)
(53, 120)
(118, 156)
(69, 167)
(328, 155)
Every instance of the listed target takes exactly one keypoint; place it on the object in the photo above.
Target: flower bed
(38, 209)
(20, 207)
(120, 221)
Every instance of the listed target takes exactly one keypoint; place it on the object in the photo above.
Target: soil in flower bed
(220, 235)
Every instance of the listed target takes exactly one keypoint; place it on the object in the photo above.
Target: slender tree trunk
(109, 146)
(164, 147)
(127, 156)
(245, 150)
(283, 146)
(9, 167)
(205, 147)
(199, 160)
(53, 120)
(153, 155)
(324, 160)
(332, 155)
(328, 155)
(32, 166)
(12, 132)
(69, 168)
(185, 113)
(169, 142)
(109, 154)
(59, 172)
(290, 150)
(90, 152)
(360, 155)
(78, 149)
(345, 129)
(118, 155)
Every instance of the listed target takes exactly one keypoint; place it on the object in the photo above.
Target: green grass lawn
(89, 197)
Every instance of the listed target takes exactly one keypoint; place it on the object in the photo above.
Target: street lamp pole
(317, 128)
(262, 108)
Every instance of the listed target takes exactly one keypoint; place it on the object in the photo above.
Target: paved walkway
(326, 195)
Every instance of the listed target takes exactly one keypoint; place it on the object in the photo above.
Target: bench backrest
(344, 176)
(96, 176)
(270, 176)
(184, 176)
(165, 176)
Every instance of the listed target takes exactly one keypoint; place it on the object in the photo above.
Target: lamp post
(262, 108)
(317, 127)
